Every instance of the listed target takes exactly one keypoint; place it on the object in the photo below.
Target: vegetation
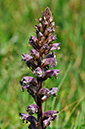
(16, 25)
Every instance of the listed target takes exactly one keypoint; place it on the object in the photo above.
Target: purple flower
(33, 108)
(44, 93)
(38, 72)
(50, 30)
(51, 113)
(40, 27)
(31, 89)
(49, 73)
(29, 61)
(29, 83)
(51, 38)
(52, 91)
(26, 57)
(55, 46)
(29, 118)
(34, 53)
(34, 42)
(40, 35)
(28, 80)
(49, 61)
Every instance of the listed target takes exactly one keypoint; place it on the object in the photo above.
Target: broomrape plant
(39, 62)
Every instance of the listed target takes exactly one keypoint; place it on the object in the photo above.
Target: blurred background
(17, 21)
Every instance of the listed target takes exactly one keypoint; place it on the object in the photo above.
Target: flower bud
(36, 28)
(33, 42)
(40, 27)
(40, 19)
(55, 46)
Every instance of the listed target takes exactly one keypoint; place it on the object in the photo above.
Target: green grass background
(16, 25)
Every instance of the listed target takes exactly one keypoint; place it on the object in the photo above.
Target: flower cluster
(41, 58)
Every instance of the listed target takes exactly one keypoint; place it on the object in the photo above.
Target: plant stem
(39, 104)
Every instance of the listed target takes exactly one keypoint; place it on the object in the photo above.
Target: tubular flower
(41, 58)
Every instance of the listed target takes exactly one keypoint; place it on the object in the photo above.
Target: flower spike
(40, 59)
